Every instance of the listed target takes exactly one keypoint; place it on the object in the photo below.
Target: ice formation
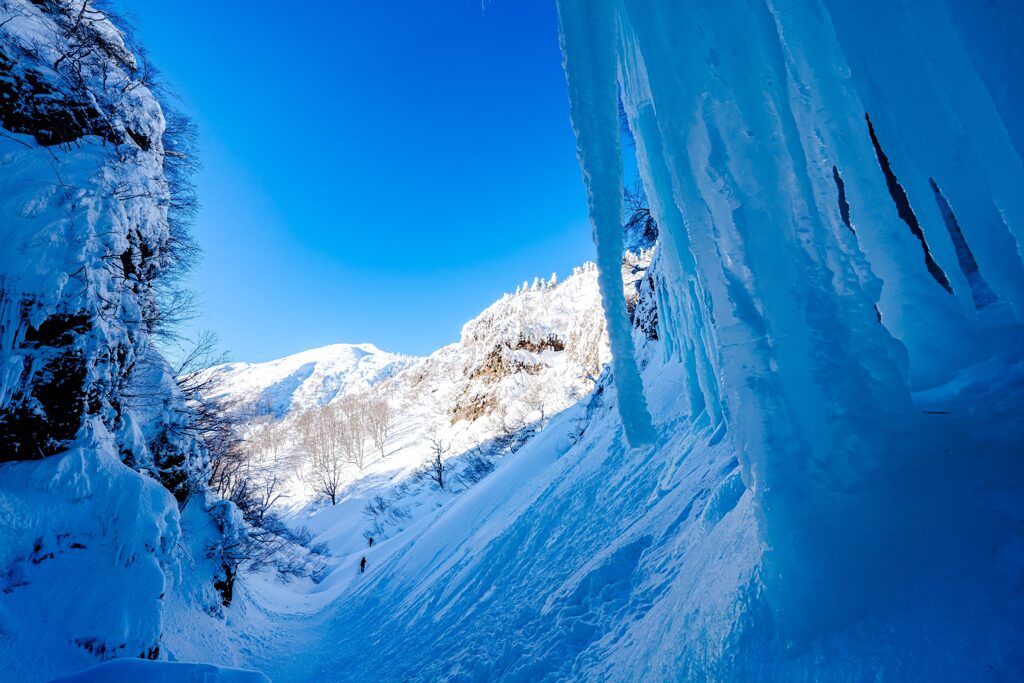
(793, 153)
(595, 119)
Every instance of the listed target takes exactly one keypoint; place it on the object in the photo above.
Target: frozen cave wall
(838, 187)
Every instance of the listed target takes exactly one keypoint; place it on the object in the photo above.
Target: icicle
(768, 298)
(980, 291)
(588, 36)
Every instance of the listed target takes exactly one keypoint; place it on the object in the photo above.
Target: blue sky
(372, 171)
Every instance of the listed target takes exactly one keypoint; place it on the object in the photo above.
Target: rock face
(93, 227)
(542, 345)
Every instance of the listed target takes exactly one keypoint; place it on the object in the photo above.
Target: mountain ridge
(307, 378)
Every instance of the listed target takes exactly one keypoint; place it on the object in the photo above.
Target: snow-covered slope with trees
(525, 358)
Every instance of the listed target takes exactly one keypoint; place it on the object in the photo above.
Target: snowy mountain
(528, 356)
(303, 380)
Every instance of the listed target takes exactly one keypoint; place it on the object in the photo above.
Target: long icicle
(591, 72)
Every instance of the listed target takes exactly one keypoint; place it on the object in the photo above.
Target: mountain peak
(308, 378)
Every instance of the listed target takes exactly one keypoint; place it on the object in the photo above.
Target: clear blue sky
(372, 171)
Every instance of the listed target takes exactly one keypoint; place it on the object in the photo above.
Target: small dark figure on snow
(370, 539)
(362, 565)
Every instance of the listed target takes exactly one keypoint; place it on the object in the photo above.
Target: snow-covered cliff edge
(99, 459)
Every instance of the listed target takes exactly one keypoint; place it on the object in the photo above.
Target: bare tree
(640, 222)
(265, 496)
(321, 436)
(351, 415)
(9, 12)
(436, 468)
(378, 421)
(228, 475)
(266, 441)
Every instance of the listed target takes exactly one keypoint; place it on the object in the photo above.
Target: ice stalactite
(980, 291)
(594, 105)
(943, 115)
(784, 243)
(905, 211)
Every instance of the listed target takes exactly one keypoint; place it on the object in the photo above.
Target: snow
(132, 671)
(82, 517)
(302, 380)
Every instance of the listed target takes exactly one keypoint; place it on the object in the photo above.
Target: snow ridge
(306, 379)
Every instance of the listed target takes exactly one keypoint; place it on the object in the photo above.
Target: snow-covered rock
(98, 458)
